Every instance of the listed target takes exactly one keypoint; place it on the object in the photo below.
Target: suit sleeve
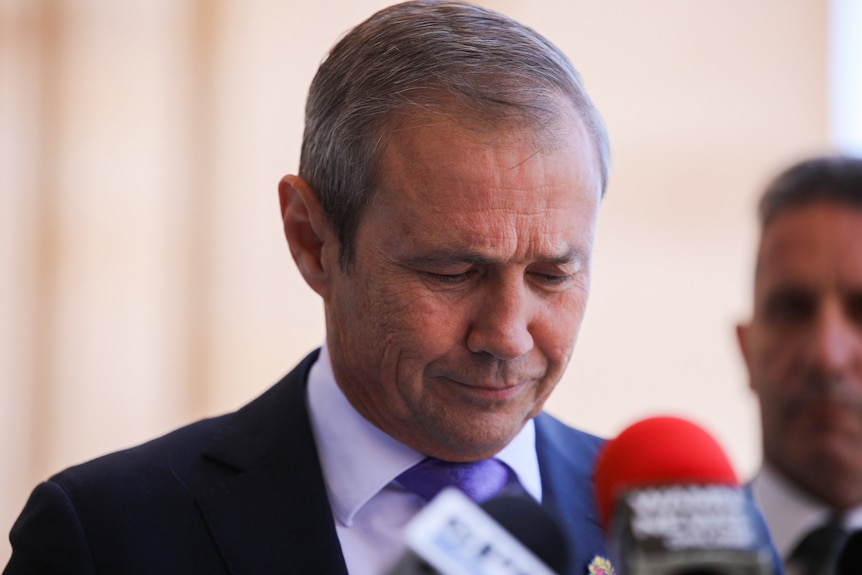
(48, 537)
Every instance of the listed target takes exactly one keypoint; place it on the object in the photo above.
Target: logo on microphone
(457, 537)
(691, 517)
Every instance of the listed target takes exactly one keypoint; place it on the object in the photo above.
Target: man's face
(471, 274)
(803, 348)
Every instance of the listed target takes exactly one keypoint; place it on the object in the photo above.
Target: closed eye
(790, 305)
(853, 308)
(455, 278)
(554, 280)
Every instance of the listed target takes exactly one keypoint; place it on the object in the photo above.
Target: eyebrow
(450, 256)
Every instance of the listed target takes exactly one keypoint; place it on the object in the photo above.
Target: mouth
(825, 416)
(494, 391)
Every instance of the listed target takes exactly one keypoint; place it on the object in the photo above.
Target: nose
(835, 341)
(501, 325)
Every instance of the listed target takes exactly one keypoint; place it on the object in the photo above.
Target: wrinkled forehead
(546, 122)
(449, 121)
(440, 140)
(821, 239)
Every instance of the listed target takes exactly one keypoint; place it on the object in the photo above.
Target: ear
(308, 232)
(743, 334)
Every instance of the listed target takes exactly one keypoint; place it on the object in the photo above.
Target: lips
(486, 388)
(824, 416)
(484, 381)
(485, 393)
(493, 381)
(490, 385)
(843, 400)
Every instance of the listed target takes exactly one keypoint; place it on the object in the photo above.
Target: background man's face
(461, 309)
(803, 347)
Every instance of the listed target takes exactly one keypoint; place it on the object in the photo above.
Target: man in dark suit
(445, 209)
(803, 351)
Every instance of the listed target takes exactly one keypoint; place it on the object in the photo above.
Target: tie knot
(479, 480)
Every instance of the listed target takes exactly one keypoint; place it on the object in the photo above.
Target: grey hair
(448, 56)
(836, 178)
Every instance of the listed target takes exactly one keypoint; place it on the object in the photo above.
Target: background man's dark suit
(241, 494)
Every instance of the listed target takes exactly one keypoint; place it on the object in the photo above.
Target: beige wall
(145, 281)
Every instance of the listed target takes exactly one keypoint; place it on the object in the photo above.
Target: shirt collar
(359, 460)
(790, 512)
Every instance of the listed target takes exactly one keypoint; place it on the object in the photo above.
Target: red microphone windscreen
(658, 451)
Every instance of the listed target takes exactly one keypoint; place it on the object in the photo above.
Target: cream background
(145, 280)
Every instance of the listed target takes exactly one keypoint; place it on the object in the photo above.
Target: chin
(475, 443)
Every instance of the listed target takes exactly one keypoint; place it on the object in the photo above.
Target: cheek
(776, 361)
(555, 332)
(419, 327)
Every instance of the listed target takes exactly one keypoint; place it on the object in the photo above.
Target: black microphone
(850, 558)
(672, 504)
(508, 535)
(533, 526)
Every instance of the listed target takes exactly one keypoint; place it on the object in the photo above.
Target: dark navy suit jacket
(242, 494)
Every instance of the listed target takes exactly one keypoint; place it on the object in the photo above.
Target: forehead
(439, 145)
(444, 182)
(820, 242)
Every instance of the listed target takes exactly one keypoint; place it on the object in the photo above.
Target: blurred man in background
(803, 351)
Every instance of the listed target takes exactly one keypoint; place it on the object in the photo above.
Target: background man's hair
(443, 56)
(835, 178)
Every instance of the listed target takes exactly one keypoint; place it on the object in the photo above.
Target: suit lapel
(566, 459)
(261, 490)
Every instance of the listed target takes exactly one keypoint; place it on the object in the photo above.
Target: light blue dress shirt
(359, 464)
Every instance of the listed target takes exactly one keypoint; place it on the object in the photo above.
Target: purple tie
(479, 480)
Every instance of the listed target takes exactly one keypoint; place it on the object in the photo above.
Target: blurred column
(96, 172)
(845, 75)
(21, 55)
(112, 225)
